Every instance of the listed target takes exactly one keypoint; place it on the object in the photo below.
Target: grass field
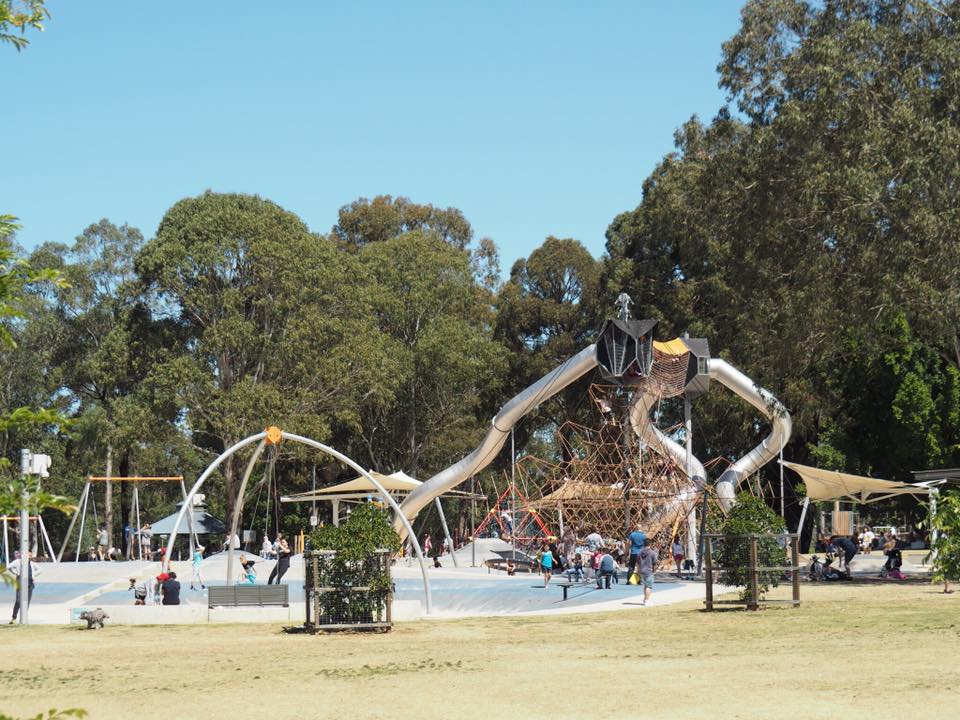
(850, 651)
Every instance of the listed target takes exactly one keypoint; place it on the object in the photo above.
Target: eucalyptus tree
(796, 233)
(435, 322)
(273, 321)
(548, 310)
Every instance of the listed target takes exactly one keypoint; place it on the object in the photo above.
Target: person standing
(568, 544)
(546, 563)
(637, 540)
(197, 562)
(594, 540)
(647, 560)
(171, 589)
(16, 569)
(103, 543)
(283, 560)
(677, 549)
(427, 545)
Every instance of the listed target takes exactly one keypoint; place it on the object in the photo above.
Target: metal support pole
(24, 580)
(692, 543)
(795, 561)
(6, 543)
(754, 602)
(446, 532)
(83, 518)
(934, 535)
(42, 530)
(803, 515)
(513, 498)
(138, 543)
(193, 536)
(708, 552)
(703, 530)
(473, 522)
(782, 511)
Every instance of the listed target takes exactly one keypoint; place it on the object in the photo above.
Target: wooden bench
(247, 595)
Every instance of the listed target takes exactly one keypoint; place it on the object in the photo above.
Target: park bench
(569, 584)
(247, 595)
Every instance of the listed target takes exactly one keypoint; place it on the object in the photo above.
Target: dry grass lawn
(849, 651)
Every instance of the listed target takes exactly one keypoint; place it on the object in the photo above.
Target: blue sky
(534, 118)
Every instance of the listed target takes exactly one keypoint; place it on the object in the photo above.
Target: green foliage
(52, 714)
(19, 15)
(357, 561)
(750, 516)
(946, 550)
(366, 529)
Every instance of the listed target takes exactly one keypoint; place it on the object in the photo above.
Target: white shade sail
(832, 485)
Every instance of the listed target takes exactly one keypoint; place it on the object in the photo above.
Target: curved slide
(572, 370)
(780, 430)
(514, 409)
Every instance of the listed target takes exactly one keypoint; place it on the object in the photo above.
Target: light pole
(30, 464)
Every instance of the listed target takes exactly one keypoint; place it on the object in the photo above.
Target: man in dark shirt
(847, 547)
(171, 590)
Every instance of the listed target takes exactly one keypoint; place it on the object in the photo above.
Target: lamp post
(30, 464)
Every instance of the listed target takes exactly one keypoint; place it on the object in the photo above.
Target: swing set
(87, 499)
(40, 532)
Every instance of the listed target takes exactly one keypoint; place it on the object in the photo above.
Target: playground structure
(643, 371)
(40, 534)
(87, 499)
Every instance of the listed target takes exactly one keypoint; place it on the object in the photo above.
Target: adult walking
(16, 569)
(283, 560)
(647, 560)
(637, 540)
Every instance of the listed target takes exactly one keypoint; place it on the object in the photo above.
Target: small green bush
(356, 561)
(750, 516)
(946, 550)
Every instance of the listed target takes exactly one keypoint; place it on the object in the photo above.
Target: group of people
(601, 560)
(103, 550)
(844, 548)
(163, 589)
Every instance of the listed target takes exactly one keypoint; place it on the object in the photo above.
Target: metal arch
(322, 448)
(238, 507)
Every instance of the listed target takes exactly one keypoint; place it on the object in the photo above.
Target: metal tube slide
(643, 426)
(518, 406)
(652, 435)
(781, 427)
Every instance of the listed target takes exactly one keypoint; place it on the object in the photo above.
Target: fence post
(795, 561)
(707, 555)
(754, 601)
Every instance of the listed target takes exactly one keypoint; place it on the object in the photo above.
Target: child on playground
(546, 563)
(197, 562)
(677, 550)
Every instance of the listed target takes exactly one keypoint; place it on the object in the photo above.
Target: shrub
(750, 516)
(946, 550)
(350, 556)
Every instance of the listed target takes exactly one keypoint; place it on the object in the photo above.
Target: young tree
(946, 550)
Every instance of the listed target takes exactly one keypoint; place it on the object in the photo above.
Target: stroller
(891, 568)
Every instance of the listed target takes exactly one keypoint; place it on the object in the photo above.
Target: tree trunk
(108, 500)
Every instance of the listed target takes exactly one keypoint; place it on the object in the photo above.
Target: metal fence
(754, 562)
(354, 595)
